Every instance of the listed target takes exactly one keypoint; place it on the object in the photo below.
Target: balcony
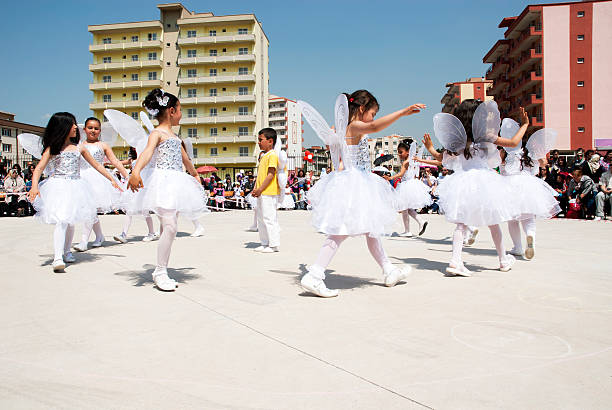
(125, 85)
(221, 98)
(224, 159)
(225, 78)
(528, 80)
(224, 117)
(534, 100)
(244, 139)
(125, 65)
(499, 67)
(499, 49)
(527, 58)
(498, 86)
(228, 38)
(125, 45)
(537, 121)
(525, 40)
(223, 58)
(277, 109)
(119, 104)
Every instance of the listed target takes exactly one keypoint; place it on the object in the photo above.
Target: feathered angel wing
(486, 122)
(147, 121)
(323, 131)
(189, 147)
(129, 129)
(32, 144)
(541, 142)
(450, 132)
(509, 128)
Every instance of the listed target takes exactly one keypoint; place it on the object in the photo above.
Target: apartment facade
(320, 160)
(216, 65)
(386, 145)
(286, 119)
(472, 88)
(11, 152)
(555, 60)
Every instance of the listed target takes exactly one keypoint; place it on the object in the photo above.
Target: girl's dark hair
(153, 99)
(405, 144)
(465, 112)
(133, 154)
(358, 99)
(302, 172)
(92, 119)
(526, 161)
(57, 130)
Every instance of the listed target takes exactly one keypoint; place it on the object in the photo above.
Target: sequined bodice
(67, 165)
(169, 155)
(360, 155)
(96, 152)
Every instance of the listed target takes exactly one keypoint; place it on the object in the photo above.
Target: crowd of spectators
(14, 187)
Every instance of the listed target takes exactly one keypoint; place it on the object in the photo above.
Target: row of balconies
(126, 65)
(221, 98)
(227, 77)
(125, 45)
(223, 58)
(224, 139)
(225, 117)
(525, 40)
(117, 85)
(525, 81)
(232, 38)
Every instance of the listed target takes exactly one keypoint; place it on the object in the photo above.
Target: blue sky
(402, 51)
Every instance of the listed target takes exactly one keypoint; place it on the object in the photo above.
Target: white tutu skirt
(131, 202)
(106, 197)
(63, 200)
(353, 202)
(168, 189)
(477, 197)
(535, 197)
(412, 194)
(287, 202)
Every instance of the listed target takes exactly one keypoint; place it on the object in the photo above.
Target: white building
(286, 119)
(386, 145)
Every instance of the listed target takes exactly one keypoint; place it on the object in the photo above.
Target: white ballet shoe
(260, 248)
(458, 270)
(396, 275)
(97, 243)
(472, 237)
(516, 252)
(406, 234)
(80, 247)
(150, 237)
(58, 265)
(270, 249)
(252, 229)
(530, 251)
(69, 257)
(507, 263)
(122, 237)
(163, 281)
(316, 286)
(198, 232)
(422, 231)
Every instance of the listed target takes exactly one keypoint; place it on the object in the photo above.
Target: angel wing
(413, 165)
(189, 147)
(323, 131)
(341, 113)
(541, 142)
(108, 134)
(486, 122)
(449, 131)
(128, 128)
(147, 121)
(31, 143)
(509, 128)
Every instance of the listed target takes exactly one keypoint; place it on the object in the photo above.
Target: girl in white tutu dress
(536, 198)
(474, 194)
(64, 199)
(169, 191)
(411, 193)
(351, 200)
(106, 197)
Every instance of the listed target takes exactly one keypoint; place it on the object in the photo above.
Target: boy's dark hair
(268, 133)
(151, 102)
(577, 168)
(57, 130)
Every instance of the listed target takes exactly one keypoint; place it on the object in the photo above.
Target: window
(134, 115)
(243, 71)
(191, 33)
(580, 14)
(212, 92)
(243, 31)
(6, 147)
(152, 56)
(212, 33)
(191, 53)
(212, 53)
(106, 98)
(580, 60)
(243, 90)
(580, 37)
(243, 110)
(192, 92)
(243, 131)
(6, 132)
(192, 112)
(580, 129)
(192, 132)
(581, 106)
(243, 151)
(153, 75)
(135, 57)
(134, 96)
(580, 83)
(152, 36)
(213, 112)
(243, 51)
(212, 72)
(213, 132)
(192, 72)
(134, 39)
(107, 40)
(134, 77)
(195, 152)
(213, 152)
(106, 60)
(106, 78)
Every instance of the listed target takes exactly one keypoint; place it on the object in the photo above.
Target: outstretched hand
(415, 108)
(524, 116)
(427, 141)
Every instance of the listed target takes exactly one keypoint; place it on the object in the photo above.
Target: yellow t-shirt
(268, 160)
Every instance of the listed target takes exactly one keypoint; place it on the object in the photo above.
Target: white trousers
(267, 221)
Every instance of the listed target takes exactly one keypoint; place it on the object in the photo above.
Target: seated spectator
(606, 160)
(219, 195)
(228, 183)
(604, 195)
(560, 186)
(15, 189)
(592, 168)
(3, 173)
(562, 165)
(583, 190)
(578, 159)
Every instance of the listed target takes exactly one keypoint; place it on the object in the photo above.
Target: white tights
(406, 214)
(168, 219)
(196, 224)
(330, 247)
(128, 222)
(87, 228)
(529, 226)
(461, 231)
(62, 239)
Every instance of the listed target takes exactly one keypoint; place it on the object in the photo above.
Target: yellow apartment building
(216, 65)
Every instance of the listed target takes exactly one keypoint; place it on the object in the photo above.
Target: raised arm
(98, 167)
(44, 160)
(429, 145)
(113, 160)
(360, 127)
(428, 161)
(516, 140)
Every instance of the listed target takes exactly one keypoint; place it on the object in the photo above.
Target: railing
(219, 34)
(220, 114)
(217, 55)
(216, 95)
(219, 74)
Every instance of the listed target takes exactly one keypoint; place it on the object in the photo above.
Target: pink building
(556, 61)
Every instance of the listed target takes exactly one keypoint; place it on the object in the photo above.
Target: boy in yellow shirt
(266, 191)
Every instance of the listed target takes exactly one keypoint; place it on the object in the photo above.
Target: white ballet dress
(353, 201)
(65, 197)
(475, 194)
(535, 196)
(286, 202)
(169, 187)
(411, 193)
(131, 202)
(106, 197)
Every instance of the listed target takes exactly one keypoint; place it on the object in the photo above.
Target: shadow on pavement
(143, 277)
